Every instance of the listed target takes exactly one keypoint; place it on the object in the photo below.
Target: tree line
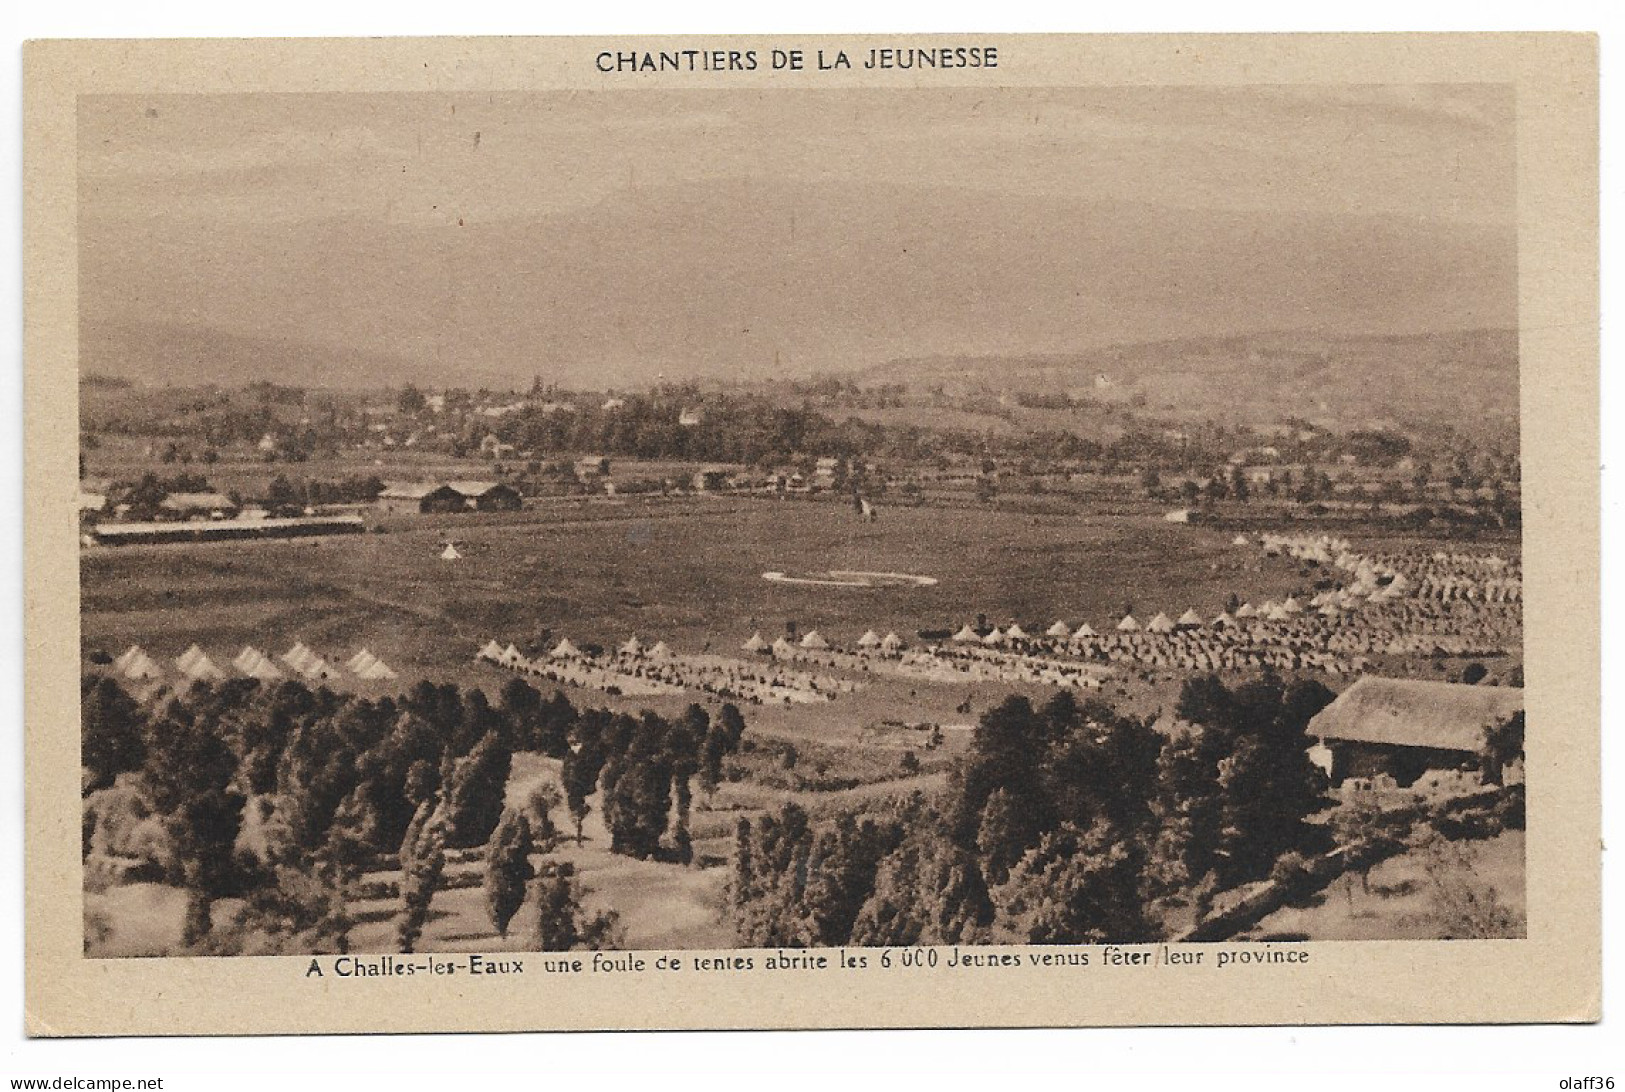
(1067, 823)
(284, 797)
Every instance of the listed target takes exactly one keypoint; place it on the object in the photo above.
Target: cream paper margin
(1553, 975)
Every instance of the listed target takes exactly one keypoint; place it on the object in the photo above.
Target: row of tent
(567, 650)
(814, 641)
(194, 664)
(1161, 623)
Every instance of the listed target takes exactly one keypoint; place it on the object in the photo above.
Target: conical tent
(781, 647)
(361, 661)
(1189, 620)
(1129, 624)
(490, 651)
(141, 667)
(1059, 629)
(1246, 610)
(127, 657)
(814, 640)
(1292, 606)
(660, 651)
(511, 655)
(891, 643)
(1223, 619)
(994, 637)
(298, 657)
(191, 656)
(1015, 632)
(1239, 540)
(966, 634)
(1277, 614)
(870, 639)
(247, 659)
(755, 644)
(378, 671)
(1160, 624)
(633, 646)
(202, 669)
(564, 650)
(319, 668)
(1083, 631)
(450, 553)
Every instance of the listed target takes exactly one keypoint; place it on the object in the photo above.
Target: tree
(1503, 745)
(580, 773)
(562, 924)
(508, 869)
(423, 864)
(543, 799)
(478, 783)
(110, 732)
(1077, 887)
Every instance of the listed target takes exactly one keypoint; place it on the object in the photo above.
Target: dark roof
(1416, 713)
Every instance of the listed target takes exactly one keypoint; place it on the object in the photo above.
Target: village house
(1405, 728)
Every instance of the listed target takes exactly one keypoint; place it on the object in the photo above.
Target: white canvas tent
(660, 651)
(450, 553)
(870, 639)
(1246, 610)
(814, 640)
(1128, 624)
(891, 643)
(1084, 631)
(966, 634)
(1189, 620)
(1015, 632)
(1160, 624)
(994, 637)
(489, 651)
(633, 646)
(1059, 629)
(755, 644)
(378, 671)
(781, 647)
(564, 650)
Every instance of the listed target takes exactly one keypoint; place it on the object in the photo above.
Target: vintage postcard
(811, 532)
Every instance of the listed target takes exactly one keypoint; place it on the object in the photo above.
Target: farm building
(1404, 728)
(408, 498)
(197, 506)
(589, 467)
(488, 496)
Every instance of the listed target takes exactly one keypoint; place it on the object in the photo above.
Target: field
(685, 570)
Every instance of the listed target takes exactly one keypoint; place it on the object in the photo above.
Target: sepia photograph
(865, 518)
(921, 521)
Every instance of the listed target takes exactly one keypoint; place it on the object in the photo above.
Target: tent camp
(781, 647)
(1128, 624)
(1083, 632)
(814, 640)
(564, 650)
(994, 637)
(966, 634)
(1189, 620)
(489, 651)
(198, 667)
(1160, 624)
(1015, 632)
(870, 639)
(755, 644)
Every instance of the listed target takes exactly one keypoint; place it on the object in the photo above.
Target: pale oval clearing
(852, 578)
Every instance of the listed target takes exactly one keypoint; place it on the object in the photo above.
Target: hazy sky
(280, 182)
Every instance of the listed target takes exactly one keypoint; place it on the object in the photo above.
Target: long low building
(1405, 728)
(407, 498)
(216, 530)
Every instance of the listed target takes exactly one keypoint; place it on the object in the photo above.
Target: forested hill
(1468, 378)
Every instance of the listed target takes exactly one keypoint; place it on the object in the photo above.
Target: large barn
(460, 496)
(1404, 728)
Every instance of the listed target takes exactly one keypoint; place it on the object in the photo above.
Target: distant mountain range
(759, 280)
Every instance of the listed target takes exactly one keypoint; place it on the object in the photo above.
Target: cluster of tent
(194, 665)
(813, 641)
